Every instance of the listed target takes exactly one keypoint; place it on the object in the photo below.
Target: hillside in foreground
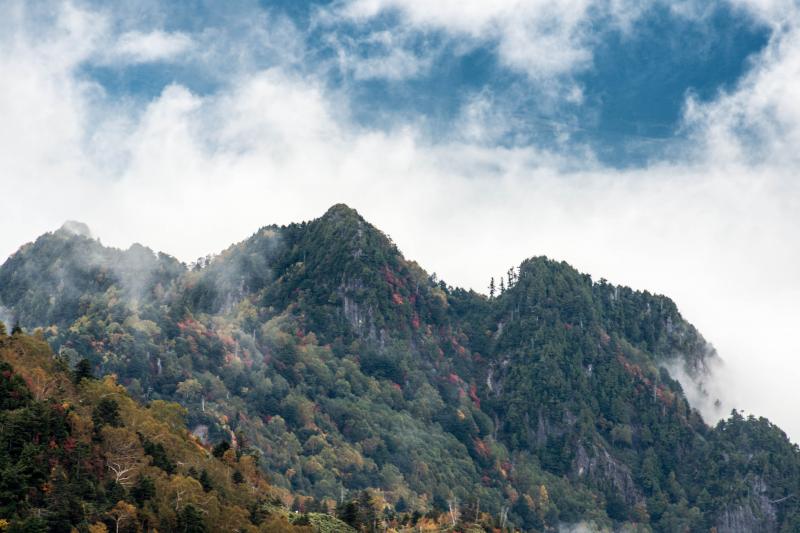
(79, 452)
(345, 368)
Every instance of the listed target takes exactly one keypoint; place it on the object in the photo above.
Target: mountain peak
(343, 228)
(343, 213)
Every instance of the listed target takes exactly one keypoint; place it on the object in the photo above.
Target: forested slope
(347, 368)
(79, 452)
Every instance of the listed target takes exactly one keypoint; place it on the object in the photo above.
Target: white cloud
(759, 120)
(774, 12)
(748, 136)
(147, 47)
(543, 38)
(387, 56)
(190, 174)
(45, 111)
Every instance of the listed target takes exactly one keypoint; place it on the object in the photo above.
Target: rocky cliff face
(603, 470)
(755, 514)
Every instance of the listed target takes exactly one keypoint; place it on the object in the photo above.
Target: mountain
(346, 368)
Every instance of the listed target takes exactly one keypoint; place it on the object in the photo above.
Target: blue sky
(649, 142)
(633, 85)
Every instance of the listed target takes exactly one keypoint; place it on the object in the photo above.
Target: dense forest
(365, 388)
(79, 452)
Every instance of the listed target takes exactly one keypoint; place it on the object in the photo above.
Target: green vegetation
(88, 457)
(368, 389)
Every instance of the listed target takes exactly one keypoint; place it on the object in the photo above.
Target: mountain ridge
(350, 367)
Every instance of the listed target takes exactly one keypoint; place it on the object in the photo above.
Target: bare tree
(503, 516)
(123, 452)
(452, 504)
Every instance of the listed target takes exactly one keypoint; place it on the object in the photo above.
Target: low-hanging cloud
(189, 173)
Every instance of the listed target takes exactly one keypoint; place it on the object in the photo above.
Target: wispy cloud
(382, 54)
(758, 121)
(145, 47)
(543, 38)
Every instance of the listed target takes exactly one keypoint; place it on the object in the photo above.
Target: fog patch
(46, 281)
(703, 388)
(6, 317)
(242, 269)
(73, 227)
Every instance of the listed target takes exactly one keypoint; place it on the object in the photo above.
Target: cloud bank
(187, 172)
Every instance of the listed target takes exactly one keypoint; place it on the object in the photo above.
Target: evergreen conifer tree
(83, 370)
(191, 521)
